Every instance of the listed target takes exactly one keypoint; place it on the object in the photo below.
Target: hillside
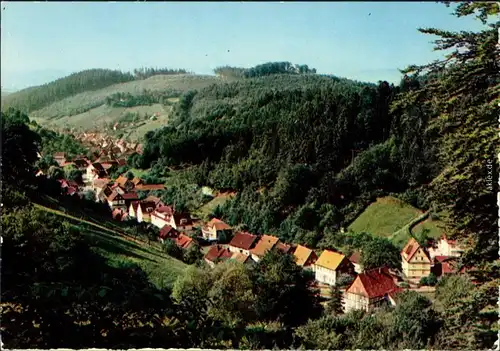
(89, 111)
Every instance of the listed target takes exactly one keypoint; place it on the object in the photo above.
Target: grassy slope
(57, 115)
(118, 248)
(384, 217)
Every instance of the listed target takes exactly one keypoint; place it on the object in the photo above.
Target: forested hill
(295, 136)
(35, 98)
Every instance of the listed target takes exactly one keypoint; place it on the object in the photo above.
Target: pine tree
(334, 305)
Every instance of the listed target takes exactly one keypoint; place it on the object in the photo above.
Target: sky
(365, 41)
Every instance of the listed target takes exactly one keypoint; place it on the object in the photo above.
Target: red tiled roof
(243, 240)
(218, 252)
(355, 257)
(377, 282)
(165, 209)
(183, 241)
(168, 232)
(71, 190)
(130, 196)
(218, 224)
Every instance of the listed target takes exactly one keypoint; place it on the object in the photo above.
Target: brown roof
(100, 183)
(114, 196)
(242, 258)
(154, 199)
(59, 155)
(147, 207)
(81, 163)
(145, 187)
(121, 180)
(243, 240)
(168, 232)
(136, 180)
(121, 162)
(98, 166)
(355, 257)
(217, 252)
(285, 248)
(377, 283)
(266, 243)
(218, 224)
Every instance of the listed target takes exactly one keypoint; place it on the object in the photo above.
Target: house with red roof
(119, 214)
(443, 265)
(162, 216)
(129, 197)
(416, 261)
(183, 241)
(216, 254)
(242, 258)
(116, 200)
(243, 242)
(167, 232)
(215, 230)
(371, 289)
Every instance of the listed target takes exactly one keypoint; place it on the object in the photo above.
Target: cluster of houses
(367, 289)
(107, 145)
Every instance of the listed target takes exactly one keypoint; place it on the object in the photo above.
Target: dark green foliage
(379, 252)
(192, 254)
(269, 68)
(52, 142)
(277, 282)
(35, 98)
(19, 148)
(172, 249)
(144, 73)
(334, 305)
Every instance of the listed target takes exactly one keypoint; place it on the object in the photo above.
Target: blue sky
(365, 41)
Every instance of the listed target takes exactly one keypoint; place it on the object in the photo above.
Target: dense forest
(144, 73)
(262, 70)
(35, 98)
(305, 154)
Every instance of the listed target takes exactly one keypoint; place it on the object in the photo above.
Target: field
(109, 241)
(207, 208)
(87, 110)
(384, 217)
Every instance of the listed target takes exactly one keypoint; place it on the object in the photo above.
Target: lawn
(107, 239)
(384, 217)
(434, 228)
(207, 208)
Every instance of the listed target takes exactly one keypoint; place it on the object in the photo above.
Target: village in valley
(218, 241)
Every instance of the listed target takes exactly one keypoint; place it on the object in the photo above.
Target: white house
(447, 247)
(162, 216)
(214, 229)
(330, 265)
(144, 210)
(242, 243)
